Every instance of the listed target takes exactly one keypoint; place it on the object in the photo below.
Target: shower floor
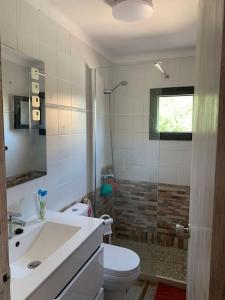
(158, 260)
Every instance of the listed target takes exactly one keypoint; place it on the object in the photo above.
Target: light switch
(35, 101)
(34, 73)
(35, 87)
(36, 115)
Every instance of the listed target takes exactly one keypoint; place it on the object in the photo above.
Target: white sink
(62, 244)
(37, 243)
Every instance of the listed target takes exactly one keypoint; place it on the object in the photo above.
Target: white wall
(30, 31)
(136, 157)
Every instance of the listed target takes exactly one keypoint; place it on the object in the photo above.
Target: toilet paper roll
(108, 226)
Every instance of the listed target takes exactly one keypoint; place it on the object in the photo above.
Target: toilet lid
(120, 262)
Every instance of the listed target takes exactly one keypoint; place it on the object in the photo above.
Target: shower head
(109, 92)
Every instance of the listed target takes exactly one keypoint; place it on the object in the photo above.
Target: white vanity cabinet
(87, 283)
(79, 276)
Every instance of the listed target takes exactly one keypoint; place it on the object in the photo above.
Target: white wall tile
(64, 93)
(65, 146)
(78, 122)
(65, 121)
(131, 121)
(183, 176)
(78, 96)
(65, 170)
(51, 90)
(168, 158)
(8, 22)
(138, 124)
(60, 196)
(63, 41)
(49, 55)
(168, 145)
(64, 66)
(77, 64)
(52, 179)
(33, 33)
(168, 175)
(183, 159)
(64, 59)
(28, 29)
(78, 144)
(52, 120)
(48, 32)
(52, 148)
(184, 145)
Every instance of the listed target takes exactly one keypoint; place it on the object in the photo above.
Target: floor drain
(34, 264)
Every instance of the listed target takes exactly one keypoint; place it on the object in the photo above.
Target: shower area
(142, 171)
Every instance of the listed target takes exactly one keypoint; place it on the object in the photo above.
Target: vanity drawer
(87, 282)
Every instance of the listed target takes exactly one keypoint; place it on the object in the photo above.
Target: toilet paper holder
(108, 221)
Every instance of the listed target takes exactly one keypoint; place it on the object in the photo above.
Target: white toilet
(121, 265)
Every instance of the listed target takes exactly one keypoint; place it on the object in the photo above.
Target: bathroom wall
(137, 157)
(148, 212)
(32, 32)
(153, 177)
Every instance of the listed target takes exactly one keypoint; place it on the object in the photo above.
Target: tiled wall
(149, 213)
(173, 208)
(137, 157)
(135, 210)
(32, 32)
(153, 177)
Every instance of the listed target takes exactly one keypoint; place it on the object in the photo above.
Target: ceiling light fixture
(132, 10)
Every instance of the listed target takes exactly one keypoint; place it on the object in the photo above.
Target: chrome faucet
(13, 218)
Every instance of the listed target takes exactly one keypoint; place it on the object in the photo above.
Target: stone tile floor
(158, 260)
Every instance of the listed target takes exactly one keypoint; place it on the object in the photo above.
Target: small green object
(42, 210)
(106, 190)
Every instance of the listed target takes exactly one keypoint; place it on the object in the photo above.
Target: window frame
(155, 93)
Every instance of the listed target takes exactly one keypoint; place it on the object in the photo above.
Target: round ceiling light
(132, 10)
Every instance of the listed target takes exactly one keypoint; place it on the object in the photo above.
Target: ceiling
(173, 26)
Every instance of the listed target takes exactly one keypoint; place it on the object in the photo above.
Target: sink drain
(34, 264)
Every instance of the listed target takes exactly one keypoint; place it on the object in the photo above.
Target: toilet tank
(79, 209)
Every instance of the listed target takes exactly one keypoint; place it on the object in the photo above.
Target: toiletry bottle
(42, 199)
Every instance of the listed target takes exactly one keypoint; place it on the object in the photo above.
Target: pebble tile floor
(158, 260)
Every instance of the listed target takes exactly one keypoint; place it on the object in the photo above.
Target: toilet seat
(120, 262)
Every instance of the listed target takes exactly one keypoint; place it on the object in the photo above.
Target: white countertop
(22, 288)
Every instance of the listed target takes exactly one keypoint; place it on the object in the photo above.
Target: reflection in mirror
(23, 85)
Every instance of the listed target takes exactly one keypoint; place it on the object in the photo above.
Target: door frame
(4, 256)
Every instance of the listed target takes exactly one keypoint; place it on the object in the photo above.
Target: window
(171, 113)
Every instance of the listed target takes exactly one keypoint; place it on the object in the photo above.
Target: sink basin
(33, 247)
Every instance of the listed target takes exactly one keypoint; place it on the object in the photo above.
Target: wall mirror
(23, 87)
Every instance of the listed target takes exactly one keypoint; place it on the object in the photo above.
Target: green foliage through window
(175, 113)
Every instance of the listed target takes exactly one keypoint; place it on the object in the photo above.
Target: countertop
(22, 288)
